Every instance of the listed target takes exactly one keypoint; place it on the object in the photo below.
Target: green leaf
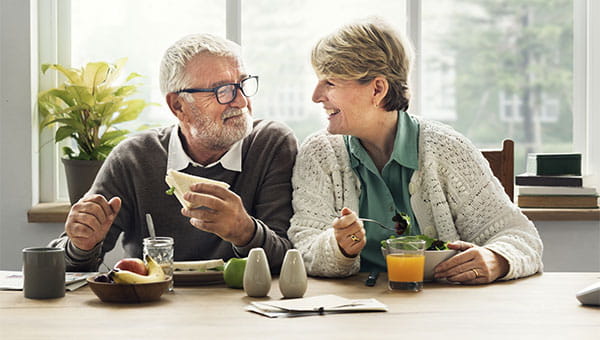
(63, 132)
(130, 111)
(58, 93)
(112, 135)
(124, 91)
(73, 75)
(95, 74)
(133, 75)
(105, 111)
(81, 95)
(105, 94)
(67, 151)
(428, 241)
(70, 122)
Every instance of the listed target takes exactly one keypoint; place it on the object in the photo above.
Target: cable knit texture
(454, 196)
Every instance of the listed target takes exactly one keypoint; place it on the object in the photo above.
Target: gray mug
(43, 273)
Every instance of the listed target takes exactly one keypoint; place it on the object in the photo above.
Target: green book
(554, 164)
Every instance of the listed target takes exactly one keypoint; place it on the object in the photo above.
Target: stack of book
(554, 181)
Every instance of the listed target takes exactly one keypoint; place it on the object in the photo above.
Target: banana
(155, 274)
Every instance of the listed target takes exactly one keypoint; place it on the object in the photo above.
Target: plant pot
(80, 176)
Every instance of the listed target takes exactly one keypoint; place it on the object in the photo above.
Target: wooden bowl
(128, 293)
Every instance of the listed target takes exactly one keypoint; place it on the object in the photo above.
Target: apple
(233, 273)
(133, 265)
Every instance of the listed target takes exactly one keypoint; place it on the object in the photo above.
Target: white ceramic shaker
(257, 276)
(292, 279)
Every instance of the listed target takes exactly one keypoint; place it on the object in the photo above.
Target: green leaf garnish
(171, 191)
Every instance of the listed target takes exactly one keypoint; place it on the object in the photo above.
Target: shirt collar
(405, 150)
(178, 159)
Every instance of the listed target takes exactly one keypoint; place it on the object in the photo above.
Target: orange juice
(405, 267)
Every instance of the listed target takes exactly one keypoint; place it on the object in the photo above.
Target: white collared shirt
(178, 159)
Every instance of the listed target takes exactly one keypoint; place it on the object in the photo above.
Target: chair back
(502, 163)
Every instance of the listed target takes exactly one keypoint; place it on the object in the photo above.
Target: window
(137, 29)
(490, 69)
(277, 41)
(154, 24)
(501, 69)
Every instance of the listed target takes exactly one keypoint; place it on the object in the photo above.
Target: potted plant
(89, 108)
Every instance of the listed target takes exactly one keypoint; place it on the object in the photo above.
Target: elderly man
(207, 89)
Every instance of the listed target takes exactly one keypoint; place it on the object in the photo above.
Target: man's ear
(174, 102)
(380, 90)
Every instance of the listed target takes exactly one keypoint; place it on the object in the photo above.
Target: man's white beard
(213, 136)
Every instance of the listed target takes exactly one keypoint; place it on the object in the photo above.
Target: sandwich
(180, 183)
(198, 266)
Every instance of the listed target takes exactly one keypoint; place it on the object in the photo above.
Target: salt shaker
(257, 276)
(292, 279)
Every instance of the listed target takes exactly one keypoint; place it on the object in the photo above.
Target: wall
(18, 173)
(569, 246)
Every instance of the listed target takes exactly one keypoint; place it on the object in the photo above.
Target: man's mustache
(234, 112)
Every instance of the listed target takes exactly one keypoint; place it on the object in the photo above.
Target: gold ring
(354, 238)
(475, 272)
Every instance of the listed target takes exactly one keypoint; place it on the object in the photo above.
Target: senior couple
(374, 160)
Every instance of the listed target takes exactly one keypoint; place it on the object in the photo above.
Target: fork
(372, 221)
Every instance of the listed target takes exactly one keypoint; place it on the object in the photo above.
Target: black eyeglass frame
(216, 89)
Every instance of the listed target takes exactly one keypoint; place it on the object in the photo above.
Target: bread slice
(200, 266)
(182, 183)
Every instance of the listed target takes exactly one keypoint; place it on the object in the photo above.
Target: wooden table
(538, 307)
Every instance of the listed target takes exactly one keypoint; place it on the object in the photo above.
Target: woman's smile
(332, 112)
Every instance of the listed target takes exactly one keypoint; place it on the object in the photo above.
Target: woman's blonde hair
(364, 50)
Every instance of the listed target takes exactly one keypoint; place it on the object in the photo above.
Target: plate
(195, 278)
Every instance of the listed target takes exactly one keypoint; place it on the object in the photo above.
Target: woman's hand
(474, 265)
(349, 233)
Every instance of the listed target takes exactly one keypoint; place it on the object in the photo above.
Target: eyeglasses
(227, 93)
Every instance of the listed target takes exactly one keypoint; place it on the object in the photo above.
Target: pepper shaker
(257, 276)
(292, 279)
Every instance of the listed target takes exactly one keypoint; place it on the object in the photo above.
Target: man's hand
(221, 212)
(349, 233)
(474, 265)
(90, 219)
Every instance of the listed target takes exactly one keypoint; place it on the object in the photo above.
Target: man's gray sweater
(135, 171)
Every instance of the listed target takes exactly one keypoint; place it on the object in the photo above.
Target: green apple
(233, 273)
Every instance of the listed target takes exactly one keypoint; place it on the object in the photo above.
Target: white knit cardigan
(454, 196)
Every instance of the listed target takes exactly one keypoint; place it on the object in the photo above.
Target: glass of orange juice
(405, 260)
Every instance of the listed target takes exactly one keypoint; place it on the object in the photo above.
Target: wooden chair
(502, 163)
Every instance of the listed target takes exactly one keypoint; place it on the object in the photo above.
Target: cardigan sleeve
(322, 185)
(458, 193)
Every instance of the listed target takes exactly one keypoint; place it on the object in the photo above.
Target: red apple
(133, 265)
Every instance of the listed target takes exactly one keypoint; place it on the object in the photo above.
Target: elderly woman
(377, 160)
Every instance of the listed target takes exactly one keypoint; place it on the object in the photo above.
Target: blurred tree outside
(512, 68)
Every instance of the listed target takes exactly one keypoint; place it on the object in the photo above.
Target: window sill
(57, 212)
(54, 212)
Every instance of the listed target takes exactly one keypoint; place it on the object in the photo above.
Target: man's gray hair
(172, 75)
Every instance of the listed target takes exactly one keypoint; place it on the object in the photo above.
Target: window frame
(54, 47)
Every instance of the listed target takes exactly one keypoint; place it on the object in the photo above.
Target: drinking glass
(161, 250)
(405, 264)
